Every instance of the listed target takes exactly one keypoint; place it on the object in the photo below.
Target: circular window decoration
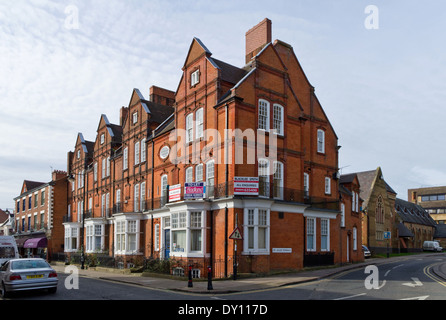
(164, 152)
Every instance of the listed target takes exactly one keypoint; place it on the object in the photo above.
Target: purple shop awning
(36, 243)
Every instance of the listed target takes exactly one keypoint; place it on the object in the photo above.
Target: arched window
(379, 210)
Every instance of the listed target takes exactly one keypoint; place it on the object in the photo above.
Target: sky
(379, 73)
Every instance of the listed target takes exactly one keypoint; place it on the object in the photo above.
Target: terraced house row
(237, 161)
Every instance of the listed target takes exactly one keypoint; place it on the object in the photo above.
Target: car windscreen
(7, 252)
(29, 264)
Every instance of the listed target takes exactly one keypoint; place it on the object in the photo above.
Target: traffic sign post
(235, 235)
(388, 236)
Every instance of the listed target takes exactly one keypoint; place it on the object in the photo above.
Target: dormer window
(195, 78)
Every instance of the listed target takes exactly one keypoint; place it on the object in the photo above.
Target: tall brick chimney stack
(257, 38)
(122, 115)
(162, 96)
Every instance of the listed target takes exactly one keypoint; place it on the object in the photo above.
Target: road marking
(427, 272)
(417, 298)
(349, 297)
(417, 283)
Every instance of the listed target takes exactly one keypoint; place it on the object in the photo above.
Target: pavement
(220, 286)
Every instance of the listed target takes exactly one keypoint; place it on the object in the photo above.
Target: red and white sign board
(246, 186)
(175, 193)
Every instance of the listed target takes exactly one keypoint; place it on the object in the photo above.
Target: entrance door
(166, 243)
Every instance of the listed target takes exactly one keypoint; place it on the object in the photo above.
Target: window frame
(189, 128)
(325, 235)
(195, 77)
(199, 123)
(280, 130)
(253, 223)
(321, 141)
(263, 117)
(311, 222)
(327, 186)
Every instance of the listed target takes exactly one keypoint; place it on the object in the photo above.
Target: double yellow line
(428, 272)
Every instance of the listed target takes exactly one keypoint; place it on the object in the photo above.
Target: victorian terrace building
(239, 164)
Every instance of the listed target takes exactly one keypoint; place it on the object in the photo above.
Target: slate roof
(440, 231)
(229, 72)
(159, 113)
(366, 179)
(404, 232)
(30, 185)
(347, 178)
(413, 213)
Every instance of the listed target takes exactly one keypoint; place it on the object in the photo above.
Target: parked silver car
(366, 251)
(27, 274)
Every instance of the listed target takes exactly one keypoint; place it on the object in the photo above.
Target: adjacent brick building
(38, 219)
(352, 219)
(130, 196)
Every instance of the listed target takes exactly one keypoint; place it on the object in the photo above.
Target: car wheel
(4, 293)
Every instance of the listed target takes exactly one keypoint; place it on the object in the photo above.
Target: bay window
(187, 232)
(178, 229)
(71, 238)
(94, 238)
(195, 231)
(126, 236)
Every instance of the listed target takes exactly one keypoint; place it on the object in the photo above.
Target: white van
(432, 246)
(8, 249)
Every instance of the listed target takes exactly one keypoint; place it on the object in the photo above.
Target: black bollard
(210, 278)
(189, 283)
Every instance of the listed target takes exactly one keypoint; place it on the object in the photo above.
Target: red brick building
(170, 181)
(350, 248)
(38, 219)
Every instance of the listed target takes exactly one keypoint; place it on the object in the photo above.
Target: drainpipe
(226, 191)
(153, 185)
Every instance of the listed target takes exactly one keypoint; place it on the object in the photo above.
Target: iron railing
(267, 190)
